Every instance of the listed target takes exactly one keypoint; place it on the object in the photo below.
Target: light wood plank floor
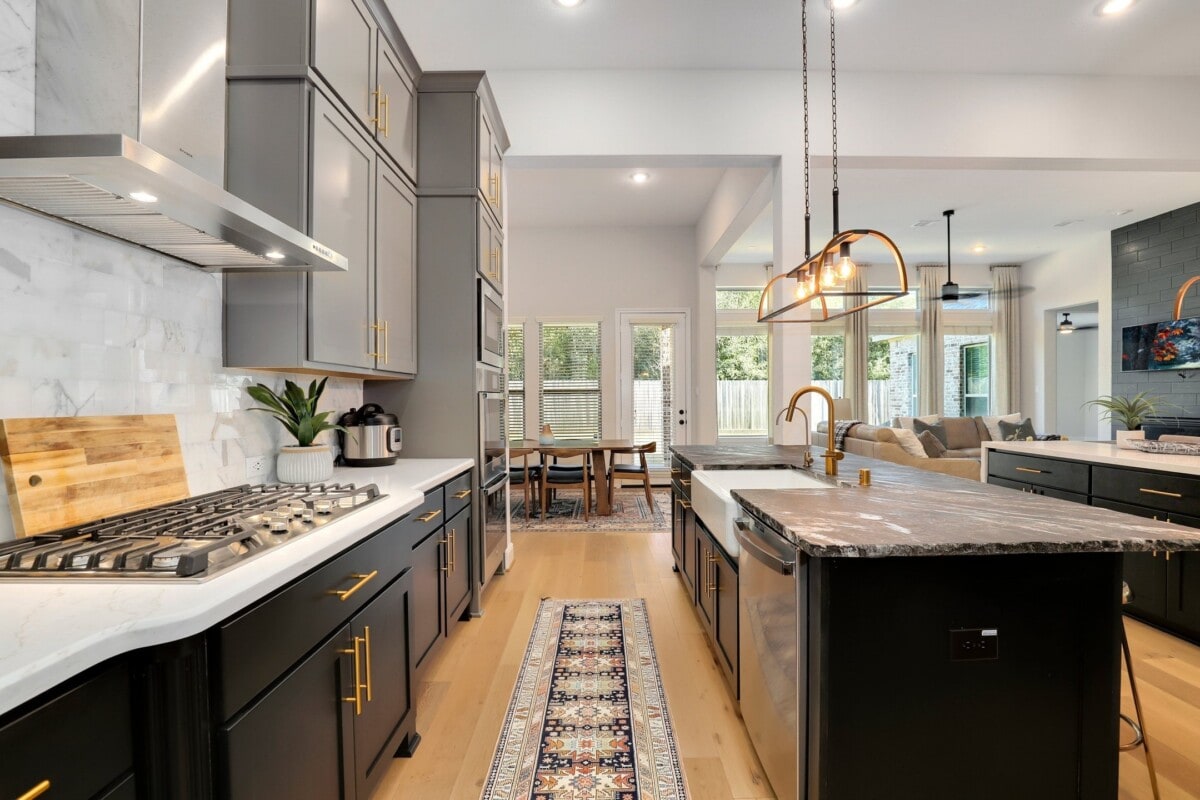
(466, 690)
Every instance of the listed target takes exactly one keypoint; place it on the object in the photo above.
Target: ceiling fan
(1066, 326)
(950, 290)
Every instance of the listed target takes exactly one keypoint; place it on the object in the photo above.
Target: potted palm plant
(296, 410)
(1129, 412)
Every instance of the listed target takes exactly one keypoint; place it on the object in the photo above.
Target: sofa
(876, 442)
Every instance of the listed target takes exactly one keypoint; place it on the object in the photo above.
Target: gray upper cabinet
(288, 140)
(352, 46)
(491, 249)
(462, 140)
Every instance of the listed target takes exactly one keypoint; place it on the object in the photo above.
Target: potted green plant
(296, 410)
(1129, 412)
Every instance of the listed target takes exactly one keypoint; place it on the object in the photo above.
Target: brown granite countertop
(913, 512)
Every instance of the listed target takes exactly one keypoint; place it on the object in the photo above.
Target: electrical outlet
(974, 644)
(256, 466)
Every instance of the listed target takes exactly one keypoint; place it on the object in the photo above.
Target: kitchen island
(927, 636)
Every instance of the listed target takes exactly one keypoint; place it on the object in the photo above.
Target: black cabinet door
(706, 561)
(428, 620)
(457, 535)
(1183, 585)
(381, 635)
(1146, 573)
(297, 739)
(727, 617)
(677, 540)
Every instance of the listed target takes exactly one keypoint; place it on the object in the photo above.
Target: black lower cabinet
(1183, 594)
(441, 584)
(717, 602)
(80, 741)
(291, 743)
(458, 570)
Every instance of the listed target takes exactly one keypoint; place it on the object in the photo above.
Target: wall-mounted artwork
(1161, 345)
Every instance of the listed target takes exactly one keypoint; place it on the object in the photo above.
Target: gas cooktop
(187, 539)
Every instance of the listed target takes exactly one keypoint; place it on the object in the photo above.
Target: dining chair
(636, 471)
(527, 476)
(568, 477)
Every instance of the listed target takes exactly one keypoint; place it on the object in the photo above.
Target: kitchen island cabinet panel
(81, 741)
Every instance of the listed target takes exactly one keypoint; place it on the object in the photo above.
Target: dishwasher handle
(774, 556)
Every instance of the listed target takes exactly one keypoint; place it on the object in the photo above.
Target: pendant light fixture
(826, 275)
(1066, 326)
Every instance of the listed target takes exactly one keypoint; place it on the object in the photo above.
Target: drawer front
(429, 516)
(1050, 472)
(458, 494)
(681, 478)
(254, 648)
(81, 741)
(1157, 490)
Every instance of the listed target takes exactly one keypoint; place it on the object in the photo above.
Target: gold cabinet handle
(462, 494)
(362, 581)
(1029, 469)
(494, 258)
(453, 547)
(429, 515)
(1176, 495)
(358, 684)
(387, 115)
(374, 326)
(367, 657)
(36, 791)
(493, 189)
(713, 560)
(385, 341)
(445, 542)
(675, 473)
(684, 503)
(377, 118)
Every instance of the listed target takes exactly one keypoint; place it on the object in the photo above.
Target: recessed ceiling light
(568, 3)
(840, 4)
(274, 254)
(921, 223)
(143, 197)
(1110, 7)
(1064, 223)
(1120, 212)
(640, 177)
(979, 248)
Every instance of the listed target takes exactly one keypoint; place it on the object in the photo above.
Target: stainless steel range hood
(130, 124)
(92, 180)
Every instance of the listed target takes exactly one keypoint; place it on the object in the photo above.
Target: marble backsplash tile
(17, 19)
(92, 326)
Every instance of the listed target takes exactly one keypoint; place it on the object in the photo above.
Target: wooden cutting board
(63, 471)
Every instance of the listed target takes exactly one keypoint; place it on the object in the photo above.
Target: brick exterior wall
(1150, 261)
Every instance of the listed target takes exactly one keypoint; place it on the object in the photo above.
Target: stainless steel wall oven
(493, 470)
(491, 326)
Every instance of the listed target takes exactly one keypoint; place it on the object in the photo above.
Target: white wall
(590, 273)
(1074, 277)
(92, 326)
(1077, 383)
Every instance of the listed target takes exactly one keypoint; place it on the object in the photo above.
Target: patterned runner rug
(588, 718)
(630, 513)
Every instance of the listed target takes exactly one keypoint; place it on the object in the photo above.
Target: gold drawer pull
(358, 684)
(428, 515)
(1176, 495)
(445, 542)
(686, 481)
(1029, 469)
(362, 581)
(675, 473)
(462, 494)
(684, 503)
(367, 657)
(36, 791)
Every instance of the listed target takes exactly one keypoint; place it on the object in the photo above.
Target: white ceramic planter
(1125, 439)
(304, 464)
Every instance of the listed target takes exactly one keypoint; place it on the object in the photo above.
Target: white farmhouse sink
(714, 504)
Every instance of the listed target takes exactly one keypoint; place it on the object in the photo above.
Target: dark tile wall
(1150, 261)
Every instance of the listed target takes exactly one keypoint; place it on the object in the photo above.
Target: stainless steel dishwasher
(771, 608)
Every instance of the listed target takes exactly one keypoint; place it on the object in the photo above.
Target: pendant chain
(807, 179)
(833, 86)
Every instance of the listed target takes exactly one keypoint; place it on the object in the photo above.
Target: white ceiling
(1012, 209)
(1156, 37)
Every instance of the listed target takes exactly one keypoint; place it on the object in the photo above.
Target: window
(569, 379)
(737, 298)
(653, 388)
(892, 377)
(514, 425)
(976, 375)
(742, 384)
(828, 368)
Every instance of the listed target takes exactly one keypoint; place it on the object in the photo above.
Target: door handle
(358, 684)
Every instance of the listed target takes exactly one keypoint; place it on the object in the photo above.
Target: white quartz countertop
(1100, 453)
(50, 630)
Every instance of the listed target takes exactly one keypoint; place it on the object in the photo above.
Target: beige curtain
(932, 365)
(857, 337)
(1006, 331)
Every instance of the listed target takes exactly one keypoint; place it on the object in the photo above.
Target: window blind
(569, 379)
(514, 423)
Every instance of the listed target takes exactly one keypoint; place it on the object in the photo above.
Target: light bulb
(801, 289)
(845, 268)
(828, 276)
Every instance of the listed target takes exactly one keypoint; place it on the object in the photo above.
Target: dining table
(601, 450)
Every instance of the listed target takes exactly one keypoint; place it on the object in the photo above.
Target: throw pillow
(993, 424)
(1014, 432)
(937, 430)
(961, 433)
(933, 445)
(911, 444)
(907, 422)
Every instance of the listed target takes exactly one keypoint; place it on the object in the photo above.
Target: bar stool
(1138, 727)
